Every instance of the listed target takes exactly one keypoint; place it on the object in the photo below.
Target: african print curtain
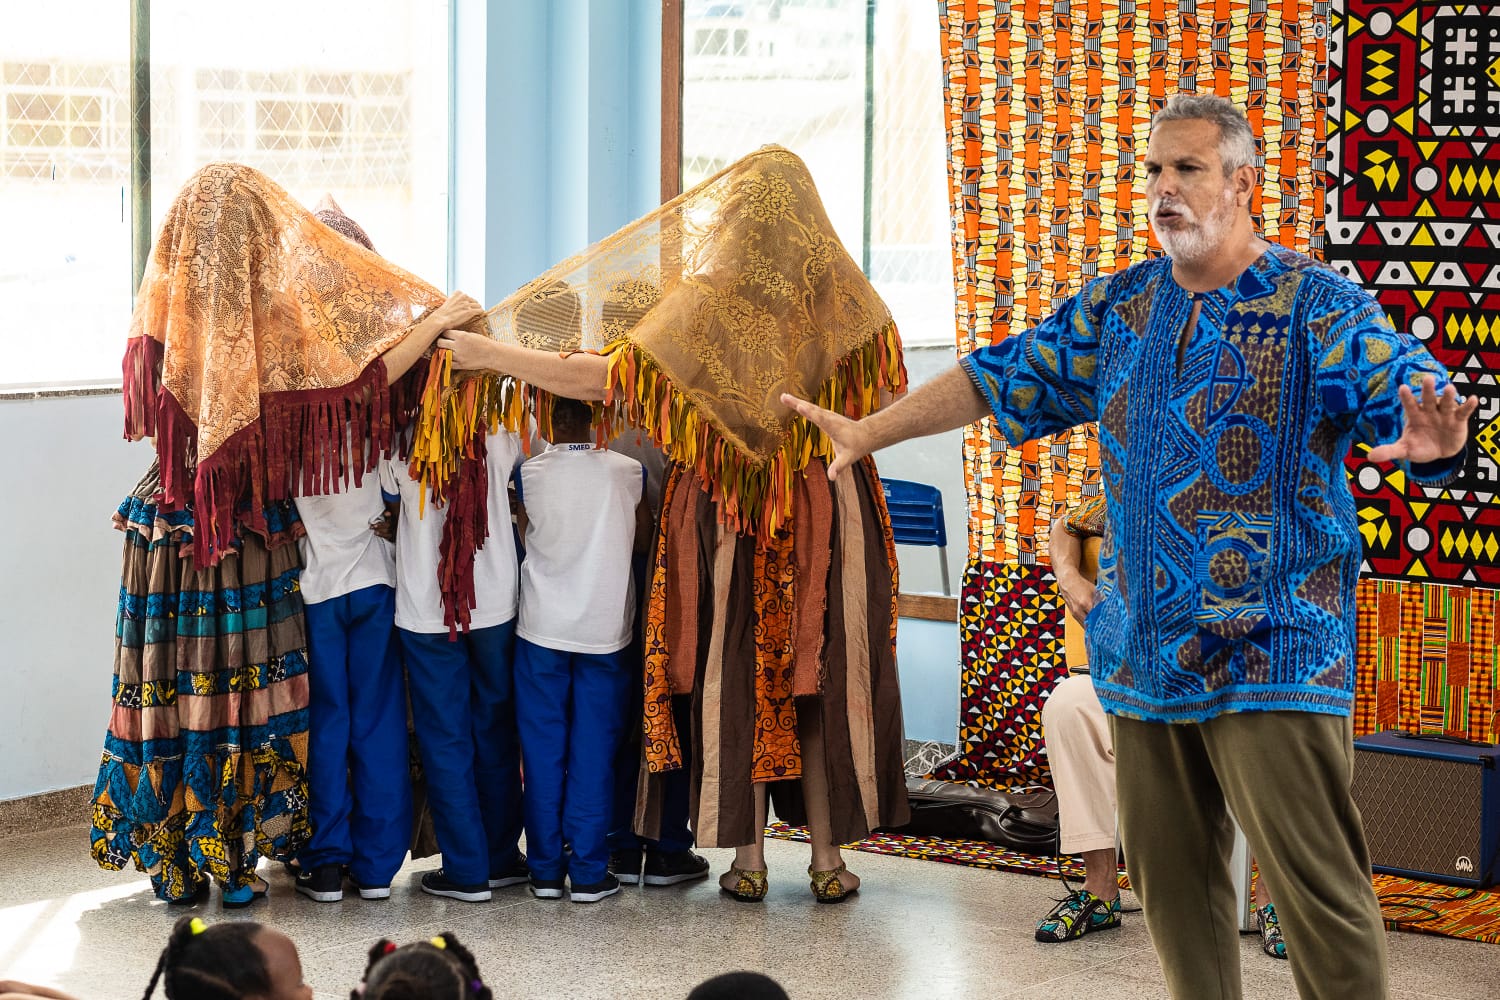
(1049, 106)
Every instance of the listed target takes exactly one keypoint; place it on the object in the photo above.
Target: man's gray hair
(1236, 140)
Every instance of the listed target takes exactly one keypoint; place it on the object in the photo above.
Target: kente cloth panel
(1414, 215)
(1048, 111)
(1428, 660)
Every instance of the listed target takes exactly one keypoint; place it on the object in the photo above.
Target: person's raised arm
(1038, 382)
(1366, 375)
(576, 376)
(948, 401)
(457, 310)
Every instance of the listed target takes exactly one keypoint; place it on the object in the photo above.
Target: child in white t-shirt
(462, 692)
(581, 511)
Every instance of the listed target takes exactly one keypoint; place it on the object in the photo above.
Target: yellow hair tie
(438, 942)
(197, 926)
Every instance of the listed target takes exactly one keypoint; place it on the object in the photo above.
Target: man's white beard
(1199, 240)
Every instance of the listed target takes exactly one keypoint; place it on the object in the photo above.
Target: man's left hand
(1436, 426)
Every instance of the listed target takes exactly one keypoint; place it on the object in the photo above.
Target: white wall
(67, 469)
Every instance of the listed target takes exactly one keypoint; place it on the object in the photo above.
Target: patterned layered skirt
(787, 647)
(203, 767)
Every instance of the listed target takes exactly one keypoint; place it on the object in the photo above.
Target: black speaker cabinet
(1431, 808)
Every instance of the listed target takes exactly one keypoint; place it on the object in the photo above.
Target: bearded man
(1230, 379)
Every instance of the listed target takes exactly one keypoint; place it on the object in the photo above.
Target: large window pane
(793, 72)
(64, 174)
(348, 98)
(344, 97)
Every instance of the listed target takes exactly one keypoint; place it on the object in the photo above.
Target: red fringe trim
(304, 442)
(464, 530)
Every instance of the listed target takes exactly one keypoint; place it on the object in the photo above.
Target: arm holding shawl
(577, 375)
(1035, 383)
(456, 311)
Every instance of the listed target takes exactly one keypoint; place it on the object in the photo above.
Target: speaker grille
(1420, 814)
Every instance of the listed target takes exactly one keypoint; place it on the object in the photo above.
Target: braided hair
(440, 968)
(221, 962)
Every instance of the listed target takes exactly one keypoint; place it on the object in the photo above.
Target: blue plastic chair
(917, 518)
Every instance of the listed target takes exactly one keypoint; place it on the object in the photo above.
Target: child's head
(440, 967)
(572, 421)
(228, 961)
(738, 986)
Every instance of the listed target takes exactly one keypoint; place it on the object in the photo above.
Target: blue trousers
(463, 704)
(359, 783)
(570, 708)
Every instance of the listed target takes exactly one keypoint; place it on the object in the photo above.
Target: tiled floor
(917, 929)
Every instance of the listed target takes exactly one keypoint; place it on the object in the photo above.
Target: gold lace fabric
(251, 350)
(709, 308)
(249, 294)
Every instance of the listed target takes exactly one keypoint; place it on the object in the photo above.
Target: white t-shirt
(419, 602)
(576, 589)
(340, 554)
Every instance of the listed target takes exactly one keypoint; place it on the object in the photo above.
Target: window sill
(928, 607)
(14, 392)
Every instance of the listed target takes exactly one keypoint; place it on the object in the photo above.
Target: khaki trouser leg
(1286, 776)
(1177, 838)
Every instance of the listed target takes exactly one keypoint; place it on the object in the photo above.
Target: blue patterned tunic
(1231, 552)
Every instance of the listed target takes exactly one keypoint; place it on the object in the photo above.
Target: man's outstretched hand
(1436, 426)
(849, 439)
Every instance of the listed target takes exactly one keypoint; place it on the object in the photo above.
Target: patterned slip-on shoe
(750, 885)
(827, 887)
(1079, 913)
(1271, 941)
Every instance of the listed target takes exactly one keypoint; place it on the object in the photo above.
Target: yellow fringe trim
(448, 416)
(753, 495)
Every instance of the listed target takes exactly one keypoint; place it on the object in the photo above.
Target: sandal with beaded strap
(750, 885)
(827, 887)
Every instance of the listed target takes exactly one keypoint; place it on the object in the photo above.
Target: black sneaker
(325, 884)
(671, 867)
(371, 891)
(547, 888)
(439, 884)
(626, 866)
(594, 891)
(517, 874)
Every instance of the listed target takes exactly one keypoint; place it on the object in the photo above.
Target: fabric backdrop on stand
(1048, 108)
(1414, 215)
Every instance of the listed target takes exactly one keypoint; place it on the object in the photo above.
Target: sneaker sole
(629, 879)
(506, 883)
(381, 893)
(547, 893)
(481, 896)
(674, 879)
(321, 897)
(592, 897)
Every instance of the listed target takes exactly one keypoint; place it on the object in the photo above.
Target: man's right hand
(849, 439)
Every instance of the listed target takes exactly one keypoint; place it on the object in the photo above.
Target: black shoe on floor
(672, 867)
(547, 888)
(439, 884)
(517, 874)
(371, 891)
(592, 892)
(626, 866)
(324, 884)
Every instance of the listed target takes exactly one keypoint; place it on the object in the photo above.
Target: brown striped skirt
(780, 642)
